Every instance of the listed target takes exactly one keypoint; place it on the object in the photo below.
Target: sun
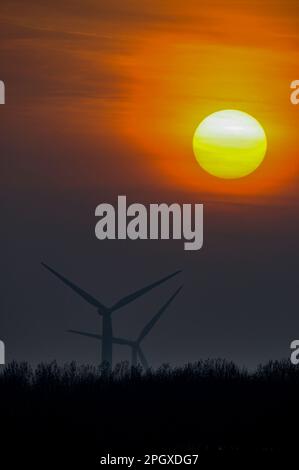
(229, 144)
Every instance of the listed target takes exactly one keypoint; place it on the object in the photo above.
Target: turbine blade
(89, 298)
(143, 359)
(129, 298)
(154, 320)
(82, 333)
(121, 341)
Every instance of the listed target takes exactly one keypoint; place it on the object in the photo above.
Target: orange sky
(240, 59)
(145, 74)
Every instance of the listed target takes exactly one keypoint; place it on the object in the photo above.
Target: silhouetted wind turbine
(135, 345)
(106, 312)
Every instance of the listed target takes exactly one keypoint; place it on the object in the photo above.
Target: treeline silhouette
(211, 407)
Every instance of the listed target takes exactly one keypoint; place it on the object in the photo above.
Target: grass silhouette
(212, 407)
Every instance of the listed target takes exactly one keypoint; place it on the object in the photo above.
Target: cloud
(66, 49)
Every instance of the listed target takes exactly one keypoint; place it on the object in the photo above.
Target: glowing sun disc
(229, 144)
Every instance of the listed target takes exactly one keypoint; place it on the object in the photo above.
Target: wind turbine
(106, 312)
(135, 345)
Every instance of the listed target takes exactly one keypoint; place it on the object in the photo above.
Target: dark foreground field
(211, 408)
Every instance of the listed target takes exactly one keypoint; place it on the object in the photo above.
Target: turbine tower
(135, 345)
(106, 312)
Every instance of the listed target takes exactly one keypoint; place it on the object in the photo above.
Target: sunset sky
(144, 74)
(103, 98)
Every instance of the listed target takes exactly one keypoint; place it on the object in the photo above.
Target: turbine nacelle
(104, 312)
